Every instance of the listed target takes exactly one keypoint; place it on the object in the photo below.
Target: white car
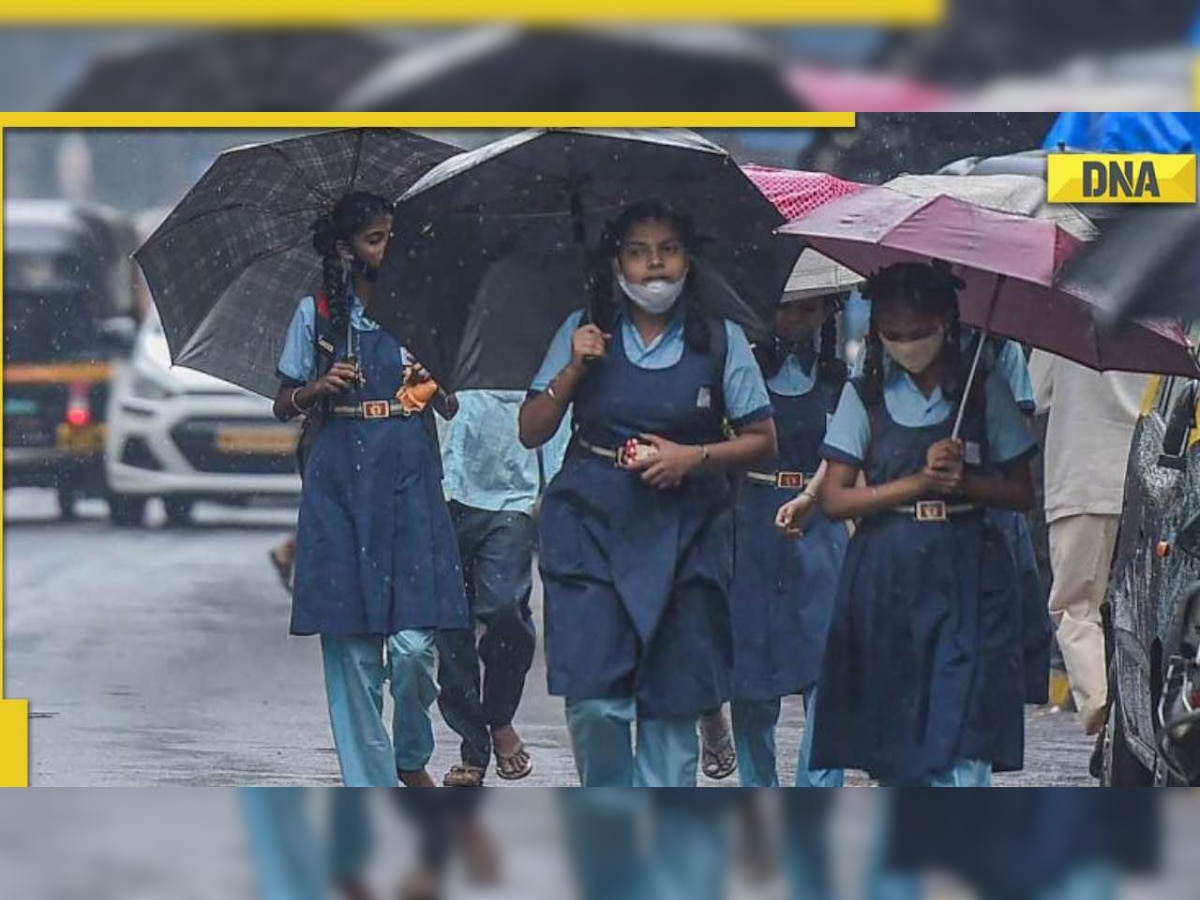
(184, 436)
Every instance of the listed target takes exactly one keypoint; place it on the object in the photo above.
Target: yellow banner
(14, 743)
(556, 12)
(1121, 178)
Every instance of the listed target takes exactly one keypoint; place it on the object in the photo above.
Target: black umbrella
(228, 265)
(1144, 265)
(573, 69)
(540, 200)
(251, 71)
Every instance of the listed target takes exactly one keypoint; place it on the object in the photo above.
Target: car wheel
(67, 498)
(1121, 767)
(126, 511)
(179, 511)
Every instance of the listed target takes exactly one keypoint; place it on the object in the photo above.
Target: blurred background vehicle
(68, 314)
(183, 436)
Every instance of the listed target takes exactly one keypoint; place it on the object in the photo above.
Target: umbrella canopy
(228, 265)
(544, 197)
(1144, 264)
(251, 71)
(1020, 195)
(1008, 263)
(597, 68)
(796, 192)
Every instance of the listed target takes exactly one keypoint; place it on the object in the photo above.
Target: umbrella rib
(313, 188)
(358, 146)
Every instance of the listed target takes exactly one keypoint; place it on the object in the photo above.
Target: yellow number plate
(275, 441)
(88, 439)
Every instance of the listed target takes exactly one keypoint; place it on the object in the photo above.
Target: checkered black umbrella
(228, 265)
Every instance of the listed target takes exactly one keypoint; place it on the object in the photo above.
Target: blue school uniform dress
(376, 557)
(922, 675)
(636, 578)
(1037, 632)
(783, 587)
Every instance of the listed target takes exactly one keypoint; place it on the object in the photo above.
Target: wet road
(161, 657)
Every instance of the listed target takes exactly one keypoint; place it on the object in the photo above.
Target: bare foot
(506, 740)
(480, 853)
(354, 890)
(418, 778)
(422, 885)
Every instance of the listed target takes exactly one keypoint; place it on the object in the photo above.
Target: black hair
(602, 302)
(927, 290)
(831, 369)
(347, 217)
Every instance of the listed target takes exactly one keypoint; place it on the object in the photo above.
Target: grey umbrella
(228, 265)
(542, 198)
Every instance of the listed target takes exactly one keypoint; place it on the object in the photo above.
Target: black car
(1152, 734)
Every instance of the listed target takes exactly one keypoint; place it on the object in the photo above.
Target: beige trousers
(1081, 550)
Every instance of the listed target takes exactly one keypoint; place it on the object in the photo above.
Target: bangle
(810, 495)
(703, 454)
(553, 395)
(296, 405)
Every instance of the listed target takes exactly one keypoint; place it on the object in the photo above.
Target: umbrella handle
(987, 326)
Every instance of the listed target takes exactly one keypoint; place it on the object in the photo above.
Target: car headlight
(146, 388)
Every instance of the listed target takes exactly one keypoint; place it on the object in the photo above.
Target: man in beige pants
(1088, 434)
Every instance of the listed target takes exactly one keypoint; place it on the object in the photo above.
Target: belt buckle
(376, 409)
(932, 511)
(791, 480)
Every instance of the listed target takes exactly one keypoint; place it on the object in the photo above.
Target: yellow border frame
(14, 714)
(540, 12)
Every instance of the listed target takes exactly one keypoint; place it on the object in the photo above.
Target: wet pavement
(160, 656)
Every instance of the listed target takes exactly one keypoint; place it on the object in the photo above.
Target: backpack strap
(718, 354)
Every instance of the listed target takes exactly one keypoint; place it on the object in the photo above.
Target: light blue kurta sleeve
(849, 433)
(1008, 433)
(1010, 363)
(746, 397)
(558, 354)
(297, 361)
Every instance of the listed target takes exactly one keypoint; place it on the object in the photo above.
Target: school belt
(792, 480)
(604, 452)
(371, 409)
(936, 510)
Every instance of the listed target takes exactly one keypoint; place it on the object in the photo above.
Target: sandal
(514, 766)
(284, 564)
(464, 776)
(719, 759)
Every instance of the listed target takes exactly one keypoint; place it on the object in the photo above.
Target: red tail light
(79, 405)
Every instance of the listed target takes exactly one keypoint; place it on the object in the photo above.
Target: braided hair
(347, 217)
(603, 298)
(831, 369)
(927, 290)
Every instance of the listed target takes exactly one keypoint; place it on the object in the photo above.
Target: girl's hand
(588, 343)
(946, 454)
(792, 515)
(668, 465)
(341, 377)
(942, 482)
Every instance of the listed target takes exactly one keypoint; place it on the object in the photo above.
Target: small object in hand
(360, 379)
(416, 393)
(636, 451)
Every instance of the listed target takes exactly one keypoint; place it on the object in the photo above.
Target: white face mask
(916, 356)
(653, 297)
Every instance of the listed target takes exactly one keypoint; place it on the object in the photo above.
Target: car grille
(237, 447)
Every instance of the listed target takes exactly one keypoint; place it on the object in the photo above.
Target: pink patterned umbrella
(1009, 264)
(796, 192)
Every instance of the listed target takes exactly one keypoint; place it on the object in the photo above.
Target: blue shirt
(485, 465)
(745, 392)
(297, 360)
(849, 433)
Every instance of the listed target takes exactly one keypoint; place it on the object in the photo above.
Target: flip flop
(514, 766)
(719, 758)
